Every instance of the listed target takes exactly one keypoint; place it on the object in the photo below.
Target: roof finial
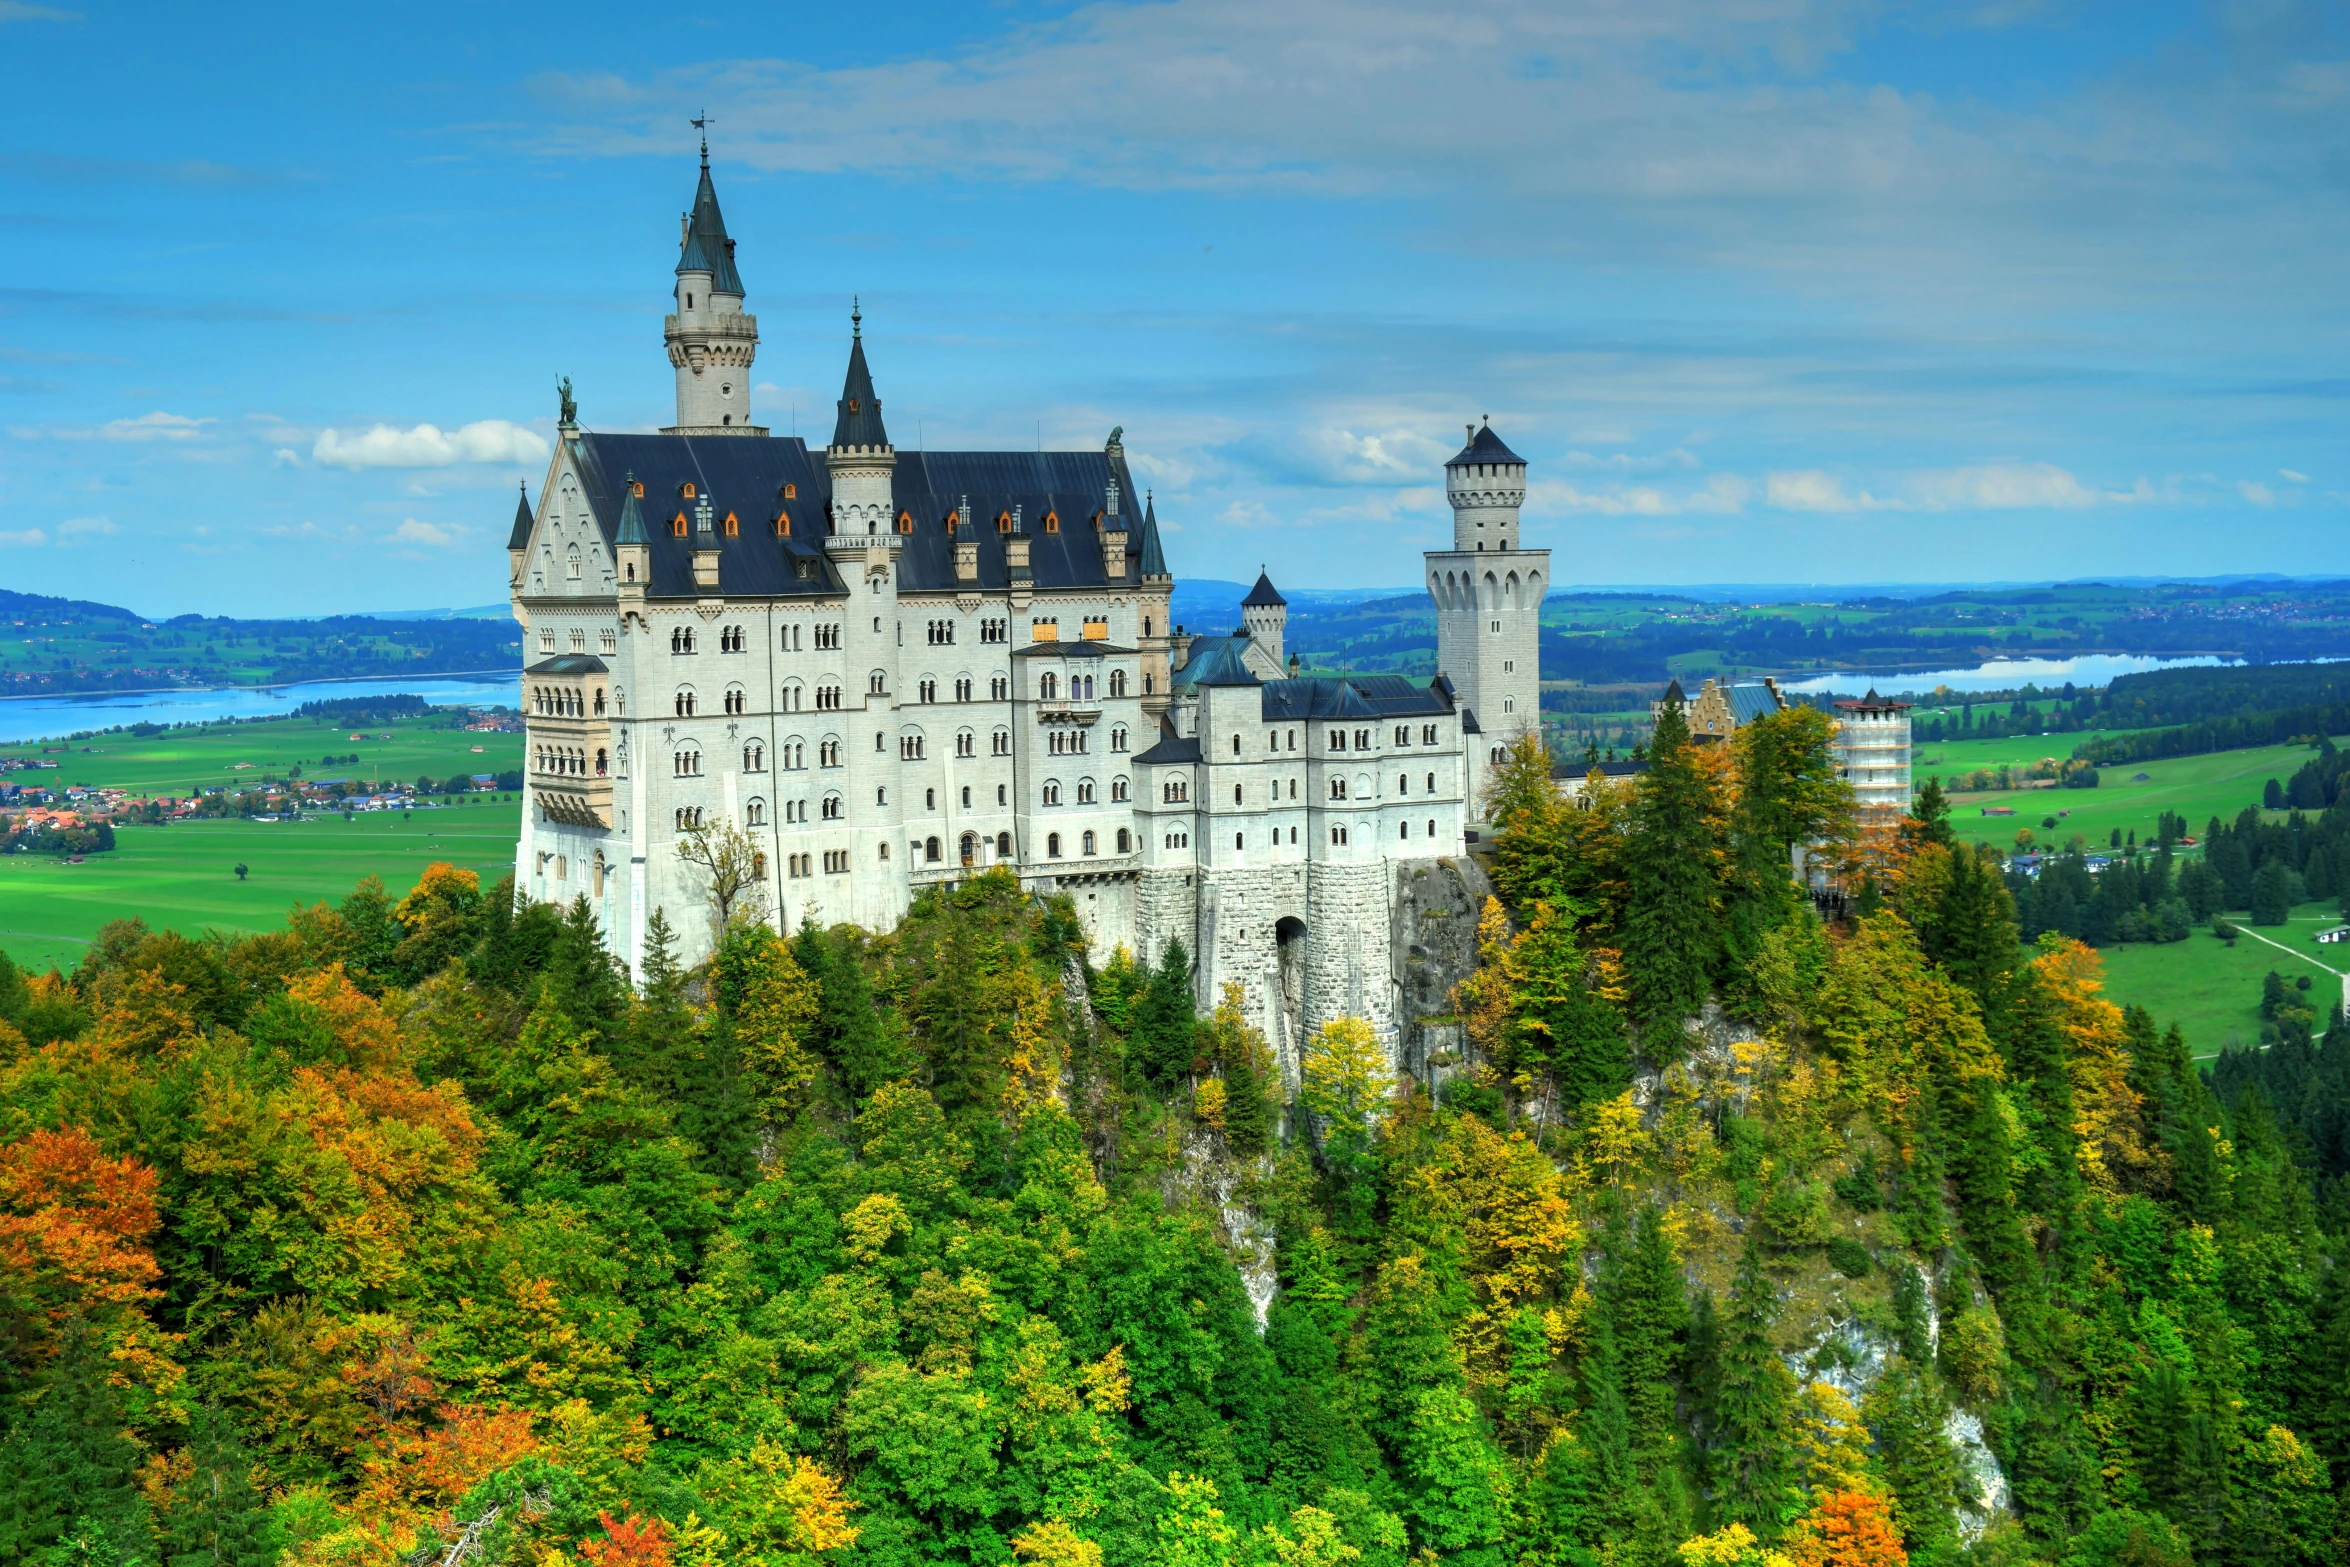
(701, 122)
(856, 317)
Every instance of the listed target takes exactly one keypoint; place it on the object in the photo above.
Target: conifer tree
(218, 1518)
(1749, 1465)
(68, 1472)
(1671, 930)
(1971, 932)
(1163, 1022)
(1906, 1413)
(1648, 1312)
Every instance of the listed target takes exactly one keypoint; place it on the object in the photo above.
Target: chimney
(1016, 551)
(705, 546)
(1113, 537)
(966, 545)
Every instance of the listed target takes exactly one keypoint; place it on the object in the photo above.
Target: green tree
(68, 1470)
(1753, 1479)
(218, 1517)
(1163, 1022)
(2272, 892)
(1671, 931)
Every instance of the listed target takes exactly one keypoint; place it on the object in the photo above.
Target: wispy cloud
(410, 531)
(429, 446)
(156, 426)
(85, 527)
(22, 538)
(18, 11)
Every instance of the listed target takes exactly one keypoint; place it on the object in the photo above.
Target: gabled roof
(519, 539)
(1750, 700)
(1216, 661)
(1484, 446)
(1352, 696)
(1263, 595)
(859, 423)
(568, 664)
(1153, 559)
(1071, 650)
(706, 247)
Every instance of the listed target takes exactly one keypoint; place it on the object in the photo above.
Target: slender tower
(1488, 594)
(711, 341)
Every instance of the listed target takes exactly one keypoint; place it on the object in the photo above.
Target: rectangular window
(1044, 631)
(1097, 630)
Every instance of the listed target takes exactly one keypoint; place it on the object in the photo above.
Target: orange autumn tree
(74, 1227)
(1846, 1529)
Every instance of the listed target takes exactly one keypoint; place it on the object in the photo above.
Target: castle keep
(889, 669)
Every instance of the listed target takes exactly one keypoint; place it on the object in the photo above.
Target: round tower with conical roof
(712, 341)
(1488, 592)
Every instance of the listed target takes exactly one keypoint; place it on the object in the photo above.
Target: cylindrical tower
(711, 340)
(1486, 484)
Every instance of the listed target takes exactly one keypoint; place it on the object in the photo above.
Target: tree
(68, 1470)
(1929, 816)
(240, 870)
(1671, 933)
(2272, 892)
(1749, 1465)
(218, 1517)
(1163, 1022)
(733, 874)
(1846, 1529)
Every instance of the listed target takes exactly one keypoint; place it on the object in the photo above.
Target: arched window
(755, 813)
(602, 762)
(1403, 829)
(1117, 789)
(1086, 843)
(1431, 826)
(1117, 682)
(1049, 688)
(1052, 792)
(1085, 791)
(1052, 845)
(689, 763)
(969, 848)
(930, 851)
(1003, 845)
(755, 757)
(877, 683)
(1125, 841)
(685, 701)
(832, 808)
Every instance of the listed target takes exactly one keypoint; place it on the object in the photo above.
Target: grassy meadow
(182, 761)
(2211, 989)
(2197, 787)
(183, 876)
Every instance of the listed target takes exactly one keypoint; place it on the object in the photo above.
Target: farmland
(183, 761)
(2130, 797)
(183, 875)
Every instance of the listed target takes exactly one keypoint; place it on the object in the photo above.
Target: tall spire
(519, 539)
(1151, 557)
(706, 247)
(859, 421)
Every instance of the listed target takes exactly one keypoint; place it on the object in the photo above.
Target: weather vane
(701, 122)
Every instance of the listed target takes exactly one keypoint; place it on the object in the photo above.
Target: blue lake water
(46, 717)
(2089, 669)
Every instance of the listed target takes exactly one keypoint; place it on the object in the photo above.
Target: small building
(2339, 933)
(1722, 707)
(1573, 779)
(1873, 752)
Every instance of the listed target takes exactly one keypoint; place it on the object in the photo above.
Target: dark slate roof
(1751, 699)
(567, 664)
(1351, 696)
(1154, 558)
(519, 539)
(1216, 661)
(1484, 446)
(1873, 703)
(746, 475)
(1469, 724)
(1673, 692)
(1263, 594)
(859, 423)
(1606, 769)
(707, 249)
(1069, 650)
(1171, 749)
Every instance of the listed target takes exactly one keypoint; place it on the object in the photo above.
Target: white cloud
(23, 538)
(74, 527)
(2257, 493)
(157, 426)
(1724, 493)
(428, 446)
(1809, 489)
(18, 11)
(2289, 474)
(410, 531)
(286, 457)
(2001, 487)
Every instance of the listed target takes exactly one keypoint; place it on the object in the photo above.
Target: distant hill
(26, 606)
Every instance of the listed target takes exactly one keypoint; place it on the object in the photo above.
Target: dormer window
(852, 405)
(686, 489)
(791, 492)
(677, 525)
(783, 524)
(905, 522)
(1052, 522)
(733, 528)
(1003, 522)
(637, 489)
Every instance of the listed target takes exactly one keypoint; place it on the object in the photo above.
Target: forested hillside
(415, 1233)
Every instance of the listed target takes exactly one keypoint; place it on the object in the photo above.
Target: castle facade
(891, 669)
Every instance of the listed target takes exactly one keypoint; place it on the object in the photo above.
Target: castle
(715, 619)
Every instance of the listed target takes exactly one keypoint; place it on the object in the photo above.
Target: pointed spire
(859, 422)
(1151, 557)
(706, 247)
(632, 516)
(519, 539)
(1264, 595)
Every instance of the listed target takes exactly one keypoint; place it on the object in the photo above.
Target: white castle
(891, 669)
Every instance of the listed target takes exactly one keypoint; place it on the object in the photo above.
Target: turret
(1486, 483)
(518, 539)
(632, 547)
(1264, 614)
(860, 456)
(711, 341)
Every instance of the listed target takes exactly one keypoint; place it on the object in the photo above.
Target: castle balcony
(575, 802)
(742, 327)
(1067, 710)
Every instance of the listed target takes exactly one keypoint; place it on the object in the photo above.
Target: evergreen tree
(1163, 1041)
(850, 1032)
(1929, 816)
(68, 1470)
(1750, 1466)
(1906, 1413)
(218, 1518)
(1648, 1312)
(2272, 893)
(1671, 930)
(1971, 931)
(587, 981)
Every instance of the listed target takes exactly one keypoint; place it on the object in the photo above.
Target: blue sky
(1766, 290)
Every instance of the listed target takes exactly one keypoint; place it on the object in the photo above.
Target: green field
(183, 876)
(2212, 990)
(181, 761)
(2197, 787)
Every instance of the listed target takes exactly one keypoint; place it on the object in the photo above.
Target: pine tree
(1971, 932)
(68, 1471)
(1671, 930)
(1648, 1311)
(1906, 1411)
(218, 1518)
(1163, 1042)
(1929, 816)
(850, 1031)
(1749, 1466)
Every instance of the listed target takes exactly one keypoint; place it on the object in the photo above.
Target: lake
(2089, 669)
(47, 717)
